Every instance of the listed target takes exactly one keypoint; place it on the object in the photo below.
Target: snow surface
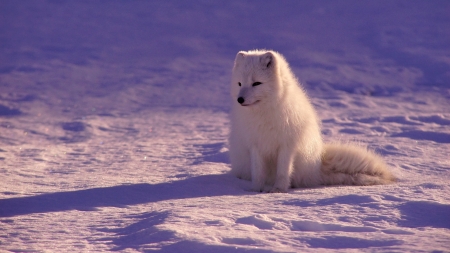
(114, 124)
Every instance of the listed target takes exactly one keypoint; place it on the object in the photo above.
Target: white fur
(275, 138)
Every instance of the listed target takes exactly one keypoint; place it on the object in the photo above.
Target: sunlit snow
(114, 125)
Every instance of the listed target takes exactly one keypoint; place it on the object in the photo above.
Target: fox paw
(277, 190)
(258, 189)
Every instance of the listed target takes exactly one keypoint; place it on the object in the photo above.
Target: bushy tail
(346, 164)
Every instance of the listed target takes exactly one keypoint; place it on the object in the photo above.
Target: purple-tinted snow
(114, 124)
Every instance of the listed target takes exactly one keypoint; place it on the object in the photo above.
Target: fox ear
(239, 56)
(267, 60)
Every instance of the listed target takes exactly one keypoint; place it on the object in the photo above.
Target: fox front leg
(285, 164)
(257, 170)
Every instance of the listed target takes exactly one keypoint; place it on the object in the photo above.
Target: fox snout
(246, 102)
(247, 97)
(243, 96)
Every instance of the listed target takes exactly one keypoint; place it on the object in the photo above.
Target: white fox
(275, 139)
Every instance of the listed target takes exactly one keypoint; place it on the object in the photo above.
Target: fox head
(255, 78)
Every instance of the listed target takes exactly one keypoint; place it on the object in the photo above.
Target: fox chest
(269, 136)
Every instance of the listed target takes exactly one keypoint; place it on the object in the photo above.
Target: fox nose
(240, 100)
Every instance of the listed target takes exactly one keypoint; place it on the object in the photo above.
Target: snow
(114, 124)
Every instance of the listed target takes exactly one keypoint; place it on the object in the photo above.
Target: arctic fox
(275, 139)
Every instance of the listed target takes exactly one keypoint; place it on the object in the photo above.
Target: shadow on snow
(121, 196)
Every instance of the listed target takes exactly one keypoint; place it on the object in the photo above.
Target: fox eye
(239, 83)
(256, 84)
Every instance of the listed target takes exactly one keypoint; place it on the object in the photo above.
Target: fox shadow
(122, 195)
